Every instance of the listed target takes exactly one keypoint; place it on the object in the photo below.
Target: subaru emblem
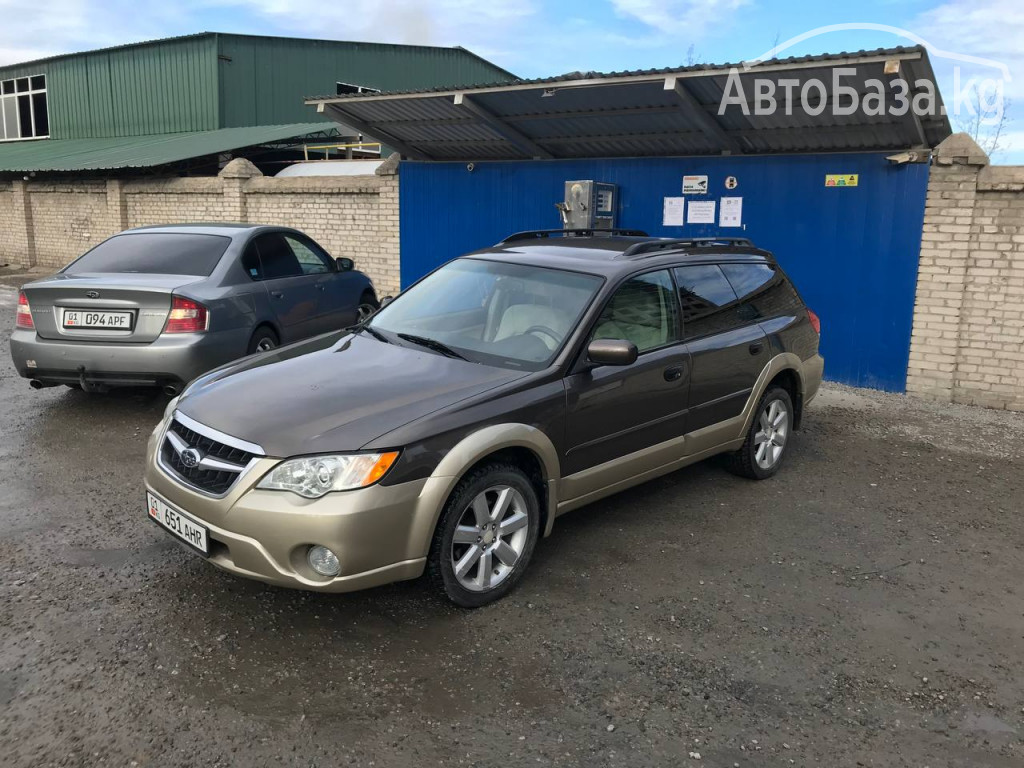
(92, 294)
(191, 457)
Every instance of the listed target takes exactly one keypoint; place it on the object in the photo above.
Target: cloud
(691, 19)
(993, 29)
(421, 22)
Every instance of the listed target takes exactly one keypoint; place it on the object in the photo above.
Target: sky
(538, 38)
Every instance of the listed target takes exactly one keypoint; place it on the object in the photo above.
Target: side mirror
(612, 352)
(386, 300)
(345, 264)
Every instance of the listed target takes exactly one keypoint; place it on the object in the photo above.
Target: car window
(512, 315)
(277, 258)
(643, 310)
(764, 288)
(251, 262)
(708, 300)
(155, 253)
(312, 262)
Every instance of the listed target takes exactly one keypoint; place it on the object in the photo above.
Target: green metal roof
(142, 151)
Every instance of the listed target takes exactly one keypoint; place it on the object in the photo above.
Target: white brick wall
(968, 339)
(350, 216)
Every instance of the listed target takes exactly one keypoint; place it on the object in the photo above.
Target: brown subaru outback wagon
(447, 432)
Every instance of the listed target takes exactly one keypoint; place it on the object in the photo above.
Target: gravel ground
(864, 607)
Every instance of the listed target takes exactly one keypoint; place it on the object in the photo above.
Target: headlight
(313, 476)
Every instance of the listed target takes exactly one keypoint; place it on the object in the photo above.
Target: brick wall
(968, 338)
(67, 219)
(8, 248)
(48, 224)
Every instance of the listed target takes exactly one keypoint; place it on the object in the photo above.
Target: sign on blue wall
(851, 249)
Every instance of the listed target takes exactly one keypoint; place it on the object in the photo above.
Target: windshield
(492, 312)
(154, 253)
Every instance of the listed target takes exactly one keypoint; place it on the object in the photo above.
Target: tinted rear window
(763, 287)
(156, 253)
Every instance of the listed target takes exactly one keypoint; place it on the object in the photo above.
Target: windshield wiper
(372, 331)
(433, 344)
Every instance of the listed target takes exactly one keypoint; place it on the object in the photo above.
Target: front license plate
(80, 318)
(178, 523)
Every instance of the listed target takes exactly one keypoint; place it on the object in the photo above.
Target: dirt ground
(865, 607)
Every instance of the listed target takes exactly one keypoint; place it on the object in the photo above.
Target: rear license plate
(178, 523)
(81, 318)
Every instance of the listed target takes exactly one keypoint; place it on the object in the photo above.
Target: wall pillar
(946, 248)
(233, 176)
(117, 207)
(23, 236)
(389, 279)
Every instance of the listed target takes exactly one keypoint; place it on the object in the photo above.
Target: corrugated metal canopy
(661, 112)
(56, 155)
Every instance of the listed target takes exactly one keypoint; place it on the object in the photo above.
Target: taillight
(24, 317)
(186, 316)
(815, 322)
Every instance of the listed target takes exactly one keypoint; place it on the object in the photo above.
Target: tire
(751, 460)
(504, 536)
(74, 386)
(263, 340)
(368, 304)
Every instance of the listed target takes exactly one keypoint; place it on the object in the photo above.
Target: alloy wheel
(265, 344)
(363, 311)
(770, 438)
(490, 538)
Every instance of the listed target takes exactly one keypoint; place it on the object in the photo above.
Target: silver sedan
(161, 305)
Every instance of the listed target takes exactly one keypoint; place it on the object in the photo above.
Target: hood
(332, 394)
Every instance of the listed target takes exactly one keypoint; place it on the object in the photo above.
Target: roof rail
(653, 246)
(538, 234)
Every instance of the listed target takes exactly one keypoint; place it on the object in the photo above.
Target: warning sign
(695, 185)
(731, 182)
(841, 179)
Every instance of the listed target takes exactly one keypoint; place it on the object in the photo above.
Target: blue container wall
(852, 251)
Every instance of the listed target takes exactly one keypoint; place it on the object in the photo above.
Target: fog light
(323, 561)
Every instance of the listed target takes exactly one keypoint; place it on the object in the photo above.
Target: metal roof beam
(911, 118)
(709, 125)
(513, 135)
(347, 118)
(556, 84)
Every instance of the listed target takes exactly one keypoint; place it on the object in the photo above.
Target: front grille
(215, 481)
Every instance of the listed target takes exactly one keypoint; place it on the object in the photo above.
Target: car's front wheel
(486, 536)
(765, 447)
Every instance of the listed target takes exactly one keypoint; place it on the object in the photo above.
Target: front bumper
(380, 534)
(170, 358)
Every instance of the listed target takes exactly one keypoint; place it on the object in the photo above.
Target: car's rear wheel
(263, 340)
(765, 447)
(486, 536)
(368, 304)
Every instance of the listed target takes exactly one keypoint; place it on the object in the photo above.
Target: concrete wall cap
(960, 149)
(240, 168)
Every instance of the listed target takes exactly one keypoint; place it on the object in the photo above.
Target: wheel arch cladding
(522, 444)
(789, 379)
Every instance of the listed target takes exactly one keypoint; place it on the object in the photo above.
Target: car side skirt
(589, 485)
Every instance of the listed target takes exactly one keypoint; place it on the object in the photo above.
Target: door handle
(756, 347)
(321, 286)
(277, 294)
(674, 373)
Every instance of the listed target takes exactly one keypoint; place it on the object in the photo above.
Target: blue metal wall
(851, 251)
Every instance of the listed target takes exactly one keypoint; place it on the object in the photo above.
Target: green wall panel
(208, 81)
